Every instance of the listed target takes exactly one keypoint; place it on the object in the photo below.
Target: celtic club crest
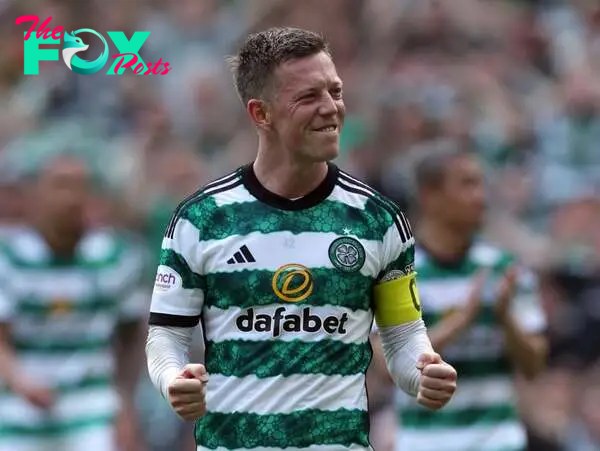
(347, 254)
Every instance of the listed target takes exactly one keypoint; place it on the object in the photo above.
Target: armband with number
(397, 301)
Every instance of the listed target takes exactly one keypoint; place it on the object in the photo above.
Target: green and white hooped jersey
(482, 414)
(61, 317)
(283, 289)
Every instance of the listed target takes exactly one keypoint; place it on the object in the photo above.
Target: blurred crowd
(517, 81)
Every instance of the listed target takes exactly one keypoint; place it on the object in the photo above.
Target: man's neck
(443, 242)
(289, 179)
(61, 244)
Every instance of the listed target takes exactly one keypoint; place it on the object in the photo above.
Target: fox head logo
(73, 45)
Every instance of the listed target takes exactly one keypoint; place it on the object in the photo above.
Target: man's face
(61, 192)
(306, 107)
(460, 199)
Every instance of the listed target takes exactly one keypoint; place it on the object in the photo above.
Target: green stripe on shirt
(299, 429)
(284, 358)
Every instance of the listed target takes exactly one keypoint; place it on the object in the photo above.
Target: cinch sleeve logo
(128, 56)
(166, 279)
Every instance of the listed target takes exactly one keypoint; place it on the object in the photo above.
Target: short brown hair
(432, 164)
(261, 53)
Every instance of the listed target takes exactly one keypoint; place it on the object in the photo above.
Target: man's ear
(259, 113)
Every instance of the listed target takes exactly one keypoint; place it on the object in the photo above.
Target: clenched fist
(438, 381)
(186, 392)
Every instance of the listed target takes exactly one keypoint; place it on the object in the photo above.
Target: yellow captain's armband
(397, 301)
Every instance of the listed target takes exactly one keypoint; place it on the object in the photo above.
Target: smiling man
(286, 262)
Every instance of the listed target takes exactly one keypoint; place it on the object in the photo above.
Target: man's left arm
(410, 358)
(129, 344)
(129, 353)
(528, 351)
(523, 322)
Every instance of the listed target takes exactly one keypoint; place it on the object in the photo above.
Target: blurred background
(518, 81)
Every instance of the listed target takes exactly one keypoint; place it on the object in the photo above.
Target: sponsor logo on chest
(293, 284)
(279, 322)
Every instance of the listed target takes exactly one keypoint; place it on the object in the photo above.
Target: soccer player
(70, 322)
(481, 312)
(285, 262)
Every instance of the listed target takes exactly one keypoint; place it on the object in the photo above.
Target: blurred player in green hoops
(71, 327)
(481, 310)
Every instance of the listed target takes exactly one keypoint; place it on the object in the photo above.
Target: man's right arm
(8, 360)
(176, 304)
(10, 372)
(449, 329)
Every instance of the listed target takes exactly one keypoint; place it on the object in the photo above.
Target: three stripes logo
(242, 256)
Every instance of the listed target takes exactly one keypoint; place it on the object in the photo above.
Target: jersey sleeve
(178, 294)
(395, 296)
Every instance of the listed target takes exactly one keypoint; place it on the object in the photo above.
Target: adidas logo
(242, 256)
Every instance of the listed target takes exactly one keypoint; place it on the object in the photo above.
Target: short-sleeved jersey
(61, 317)
(284, 291)
(482, 415)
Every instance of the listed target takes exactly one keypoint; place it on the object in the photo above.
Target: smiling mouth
(327, 129)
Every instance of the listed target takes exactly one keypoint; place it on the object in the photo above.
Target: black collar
(315, 197)
(451, 264)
